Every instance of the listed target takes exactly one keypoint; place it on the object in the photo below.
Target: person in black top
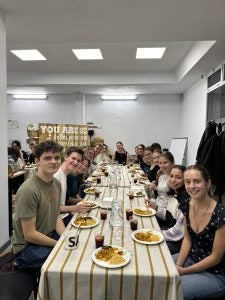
(121, 155)
(17, 145)
(139, 154)
(74, 182)
(147, 160)
(201, 260)
(154, 168)
(31, 156)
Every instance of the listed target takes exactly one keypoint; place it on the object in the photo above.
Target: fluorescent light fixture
(31, 97)
(119, 97)
(150, 53)
(32, 54)
(88, 54)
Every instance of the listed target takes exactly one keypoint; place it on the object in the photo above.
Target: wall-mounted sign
(66, 135)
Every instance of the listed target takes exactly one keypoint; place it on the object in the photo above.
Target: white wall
(193, 117)
(152, 118)
(57, 109)
(4, 232)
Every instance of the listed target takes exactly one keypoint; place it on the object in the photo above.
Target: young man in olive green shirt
(37, 221)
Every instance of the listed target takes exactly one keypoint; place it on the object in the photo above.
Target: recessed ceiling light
(150, 53)
(32, 54)
(27, 96)
(119, 97)
(88, 54)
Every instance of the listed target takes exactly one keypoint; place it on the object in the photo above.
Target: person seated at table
(23, 154)
(154, 168)
(37, 222)
(153, 173)
(91, 155)
(74, 182)
(71, 163)
(166, 161)
(85, 150)
(121, 155)
(31, 156)
(172, 217)
(98, 154)
(201, 261)
(139, 154)
(147, 161)
(156, 146)
(15, 160)
(105, 151)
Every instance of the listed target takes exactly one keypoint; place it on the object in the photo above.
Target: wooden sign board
(66, 135)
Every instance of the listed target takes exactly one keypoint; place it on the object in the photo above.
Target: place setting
(109, 256)
(85, 222)
(147, 236)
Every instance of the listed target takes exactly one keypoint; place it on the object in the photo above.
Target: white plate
(105, 264)
(93, 179)
(145, 242)
(84, 227)
(89, 192)
(153, 212)
(136, 194)
(144, 181)
(97, 204)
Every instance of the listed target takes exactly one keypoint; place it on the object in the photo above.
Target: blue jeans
(202, 285)
(33, 256)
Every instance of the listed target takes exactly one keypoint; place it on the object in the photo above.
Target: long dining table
(72, 274)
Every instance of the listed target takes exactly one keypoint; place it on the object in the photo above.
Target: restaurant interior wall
(193, 117)
(4, 233)
(63, 109)
(152, 118)
(149, 119)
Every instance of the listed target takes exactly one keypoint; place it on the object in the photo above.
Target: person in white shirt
(73, 158)
(98, 153)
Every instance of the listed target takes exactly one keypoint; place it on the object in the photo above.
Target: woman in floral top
(201, 261)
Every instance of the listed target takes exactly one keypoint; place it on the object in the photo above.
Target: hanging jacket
(211, 154)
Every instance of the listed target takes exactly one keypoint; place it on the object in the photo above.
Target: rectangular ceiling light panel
(28, 55)
(118, 97)
(31, 97)
(150, 53)
(88, 54)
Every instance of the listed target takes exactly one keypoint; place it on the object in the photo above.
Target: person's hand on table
(83, 207)
(151, 204)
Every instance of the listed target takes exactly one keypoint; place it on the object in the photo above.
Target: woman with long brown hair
(201, 260)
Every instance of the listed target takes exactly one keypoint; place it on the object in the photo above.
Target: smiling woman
(202, 255)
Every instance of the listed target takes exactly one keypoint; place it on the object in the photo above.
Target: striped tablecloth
(125, 178)
(71, 274)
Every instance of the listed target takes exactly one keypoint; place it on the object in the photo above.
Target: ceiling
(192, 32)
